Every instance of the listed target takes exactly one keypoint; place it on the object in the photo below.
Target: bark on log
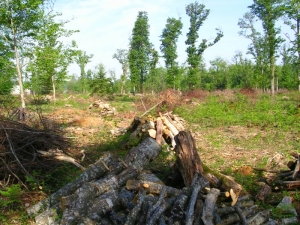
(159, 130)
(150, 187)
(170, 126)
(102, 204)
(188, 161)
(160, 210)
(145, 152)
(201, 183)
(292, 185)
(259, 218)
(297, 169)
(209, 205)
(264, 191)
(148, 176)
(132, 217)
(95, 171)
(198, 210)
(233, 217)
(225, 183)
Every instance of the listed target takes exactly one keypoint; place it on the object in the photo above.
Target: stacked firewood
(116, 191)
(105, 108)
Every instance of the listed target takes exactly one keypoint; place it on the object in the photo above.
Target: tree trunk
(188, 161)
(53, 88)
(272, 66)
(20, 79)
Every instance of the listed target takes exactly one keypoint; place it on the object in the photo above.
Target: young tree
(198, 14)
(268, 11)
(218, 70)
(7, 70)
(101, 84)
(82, 59)
(168, 47)
(140, 50)
(122, 56)
(291, 16)
(19, 24)
(258, 46)
(50, 57)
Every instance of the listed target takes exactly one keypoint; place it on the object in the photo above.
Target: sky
(106, 25)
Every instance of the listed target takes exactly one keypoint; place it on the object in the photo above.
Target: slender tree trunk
(20, 80)
(298, 50)
(53, 88)
(272, 65)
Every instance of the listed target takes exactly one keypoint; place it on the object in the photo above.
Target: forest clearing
(227, 141)
(172, 137)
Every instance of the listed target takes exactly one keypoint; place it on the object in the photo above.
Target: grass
(265, 111)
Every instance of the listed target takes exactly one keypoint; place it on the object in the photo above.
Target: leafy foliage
(168, 46)
(10, 196)
(198, 14)
(140, 50)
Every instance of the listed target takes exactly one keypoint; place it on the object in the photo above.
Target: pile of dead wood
(105, 108)
(116, 191)
(21, 146)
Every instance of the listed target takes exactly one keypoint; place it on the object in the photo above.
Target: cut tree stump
(188, 160)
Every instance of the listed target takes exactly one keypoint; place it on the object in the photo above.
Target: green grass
(266, 111)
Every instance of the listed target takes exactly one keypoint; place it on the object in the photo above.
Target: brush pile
(105, 108)
(116, 191)
(19, 148)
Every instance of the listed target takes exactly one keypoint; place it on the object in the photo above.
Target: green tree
(50, 57)
(257, 48)
(291, 16)
(168, 47)
(289, 69)
(122, 56)
(7, 70)
(198, 14)
(241, 72)
(101, 84)
(19, 25)
(218, 71)
(268, 11)
(82, 59)
(140, 51)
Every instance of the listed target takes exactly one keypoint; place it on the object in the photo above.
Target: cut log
(234, 217)
(198, 212)
(160, 210)
(291, 185)
(159, 130)
(132, 217)
(150, 187)
(94, 171)
(259, 218)
(297, 169)
(145, 152)
(264, 191)
(169, 125)
(209, 205)
(201, 183)
(188, 161)
(102, 205)
(225, 183)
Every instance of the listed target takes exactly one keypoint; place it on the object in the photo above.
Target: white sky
(105, 26)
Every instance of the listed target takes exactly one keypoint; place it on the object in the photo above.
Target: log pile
(105, 108)
(116, 191)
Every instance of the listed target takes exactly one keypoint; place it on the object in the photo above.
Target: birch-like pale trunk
(53, 88)
(20, 79)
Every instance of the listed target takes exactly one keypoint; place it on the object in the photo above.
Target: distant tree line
(33, 55)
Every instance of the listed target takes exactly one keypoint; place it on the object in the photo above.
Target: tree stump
(188, 161)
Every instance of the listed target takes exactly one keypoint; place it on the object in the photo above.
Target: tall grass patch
(265, 111)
